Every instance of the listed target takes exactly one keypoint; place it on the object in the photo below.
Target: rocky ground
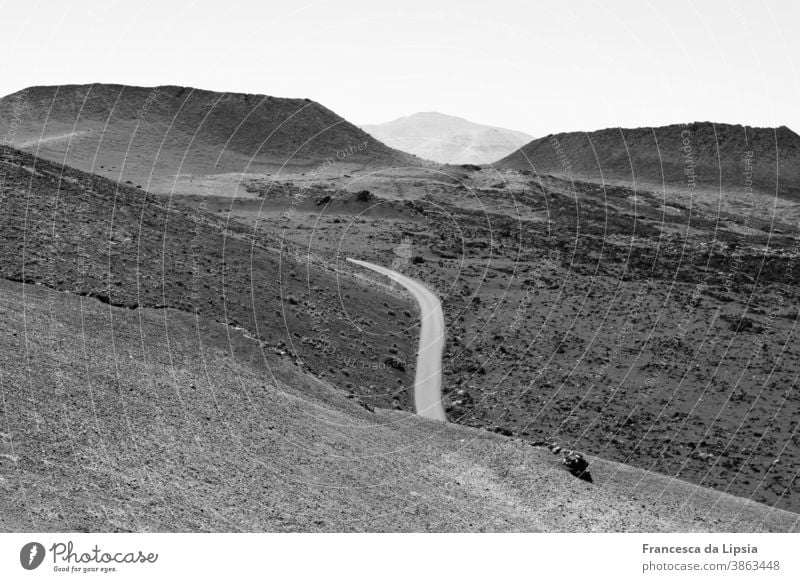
(117, 419)
(660, 335)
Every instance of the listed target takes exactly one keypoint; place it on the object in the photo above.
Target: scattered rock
(396, 363)
(503, 431)
(577, 465)
(702, 456)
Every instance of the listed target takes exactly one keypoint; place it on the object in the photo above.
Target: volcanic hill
(148, 136)
(700, 155)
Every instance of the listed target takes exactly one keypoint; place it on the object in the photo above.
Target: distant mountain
(137, 132)
(447, 139)
(695, 155)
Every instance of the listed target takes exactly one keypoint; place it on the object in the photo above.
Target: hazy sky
(531, 65)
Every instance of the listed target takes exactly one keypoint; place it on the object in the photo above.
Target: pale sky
(535, 66)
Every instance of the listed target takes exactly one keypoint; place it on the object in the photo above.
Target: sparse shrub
(396, 363)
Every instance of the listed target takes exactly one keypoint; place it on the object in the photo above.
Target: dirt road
(428, 380)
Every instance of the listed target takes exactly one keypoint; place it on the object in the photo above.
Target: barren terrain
(158, 420)
(653, 333)
(652, 326)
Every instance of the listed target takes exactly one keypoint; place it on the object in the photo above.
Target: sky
(530, 65)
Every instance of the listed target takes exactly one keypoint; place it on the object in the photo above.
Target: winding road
(428, 381)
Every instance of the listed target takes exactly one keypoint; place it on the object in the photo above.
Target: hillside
(113, 423)
(83, 234)
(447, 139)
(148, 135)
(692, 156)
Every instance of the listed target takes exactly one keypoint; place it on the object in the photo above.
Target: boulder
(577, 465)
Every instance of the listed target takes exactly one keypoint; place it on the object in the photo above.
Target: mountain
(690, 156)
(141, 134)
(447, 139)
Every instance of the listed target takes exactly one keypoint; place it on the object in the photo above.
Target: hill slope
(144, 134)
(84, 234)
(113, 423)
(696, 155)
(448, 139)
